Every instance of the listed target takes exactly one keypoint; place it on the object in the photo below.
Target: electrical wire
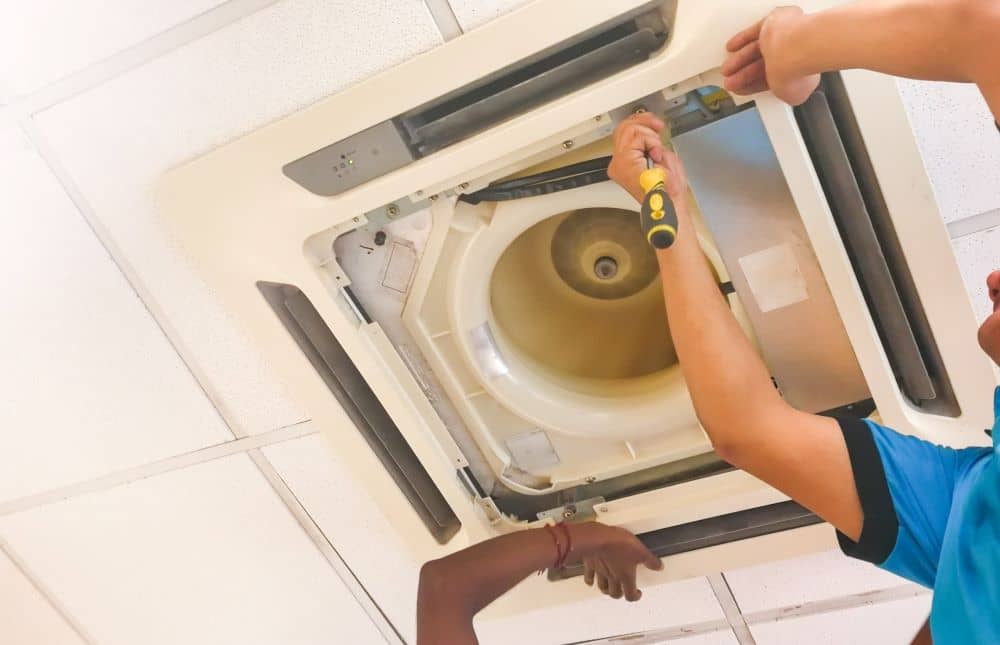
(575, 175)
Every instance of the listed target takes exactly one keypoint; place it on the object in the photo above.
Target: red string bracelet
(555, 539)
(569, 546)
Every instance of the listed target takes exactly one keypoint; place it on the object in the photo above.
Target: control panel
(352, 161)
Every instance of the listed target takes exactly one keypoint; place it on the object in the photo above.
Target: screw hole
(605, 267)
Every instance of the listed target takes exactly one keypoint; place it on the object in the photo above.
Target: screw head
(392, 210)
(567, 144)
(464, 185)
(602, 509)
(598, 117)
(433, 198)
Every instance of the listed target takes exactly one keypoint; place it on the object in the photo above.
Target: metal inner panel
(743, 197)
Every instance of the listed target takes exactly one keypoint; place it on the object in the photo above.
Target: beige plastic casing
(630, 424)
(239, 220)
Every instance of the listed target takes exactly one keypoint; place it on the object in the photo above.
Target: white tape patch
(774, 277)
(532, 451)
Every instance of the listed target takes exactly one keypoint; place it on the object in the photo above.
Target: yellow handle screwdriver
(659, 219)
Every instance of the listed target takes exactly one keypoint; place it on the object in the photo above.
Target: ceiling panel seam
(77, 83)
(152, 469)
(974, 224)
(655, 636)
(46, 593)
(136, 55)
(730, 608)
(838, 603)
(799, 610)
(326, 548)
(445, 18)
(159, 317)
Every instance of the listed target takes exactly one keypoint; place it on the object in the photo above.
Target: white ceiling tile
(116, 140)
(475, 13)
(26, 617)
(200, 556)
(959, 144)
(662, 606)
(91, 385)
(44, 40)
(978, 255)
(378, 553)
(888, 622)
(799, 580)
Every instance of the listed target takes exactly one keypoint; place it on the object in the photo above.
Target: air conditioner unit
(435, 264)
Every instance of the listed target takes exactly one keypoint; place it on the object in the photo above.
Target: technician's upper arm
(985, 53)
(805, 457)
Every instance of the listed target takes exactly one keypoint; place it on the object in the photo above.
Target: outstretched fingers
(588, 572)
(629, 588)
(748, 35)
(751, 78)
(601, 575)
(741, 58)
(614, 584)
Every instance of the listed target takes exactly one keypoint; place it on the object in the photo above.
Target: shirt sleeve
(906, 486)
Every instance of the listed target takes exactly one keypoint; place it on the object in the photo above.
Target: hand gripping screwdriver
(659, 219)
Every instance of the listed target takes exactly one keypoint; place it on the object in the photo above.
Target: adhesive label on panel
(399, 267)
(774, 277)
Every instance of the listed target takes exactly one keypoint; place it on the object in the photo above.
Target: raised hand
(610, 556)
(635, 138)
(759, 59)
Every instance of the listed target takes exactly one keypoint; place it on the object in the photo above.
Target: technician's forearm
(455, 588)
(929, 39)
(729, 384)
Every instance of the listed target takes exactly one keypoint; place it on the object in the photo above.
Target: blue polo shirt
(932, 515)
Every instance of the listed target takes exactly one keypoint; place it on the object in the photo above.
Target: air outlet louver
(351, 390)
